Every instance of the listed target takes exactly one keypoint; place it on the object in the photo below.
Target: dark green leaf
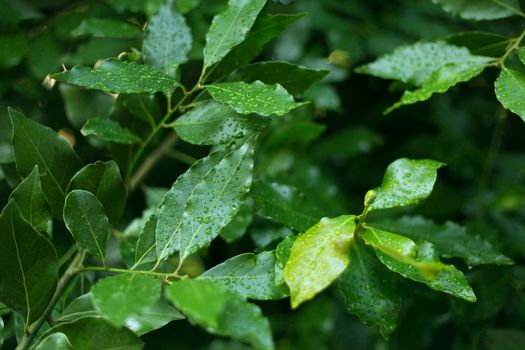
(55, 341)
(282, 254)
(240, 222)
(145, 249)
(118, 77)
(45, 56)
(80, 104)
(480, 9)
(13, 49)
(481, 43)
(109, 130)
(349, 142)
(85, 218)
(29, 272)
(221, 311)
(154, 317)
(106, 28)
(78, 308)
(510, 90)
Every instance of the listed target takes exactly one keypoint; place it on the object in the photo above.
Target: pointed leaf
(167, 40)
(103, 179)
(282, 254)
(154, 317)
(212, 123)
(406, 181)
(480, 9)
(255, 97)
(85, 218)
(418, 262)
(510, 90)
(29, 272)
(106, 28)
(35, 144)
(318, 257)
(229, 28)
(369, 290)
(250, 275)
(212, 203)
(122, 296)
(109, 130)
(221, 311)
(56, 341)
(31, 203)
(118, 77)
(145, 249)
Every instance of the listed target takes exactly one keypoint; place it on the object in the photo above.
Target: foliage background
(483, 186)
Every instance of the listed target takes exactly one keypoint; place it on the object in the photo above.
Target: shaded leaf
(145, 249)
(153, 317)
(80, 104)
(318, 257)
(106, 28)
(13, 49)
(282, 254)
(78, 308)
(481, 43)
(510, 90)
(480, 9)
(240, 222)
(55, 341)
(109, 130)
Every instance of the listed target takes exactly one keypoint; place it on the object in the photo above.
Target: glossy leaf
(29, 272)
(78, 308)
(145, 249)
(31, 203)
(295, 79)
(106, 28)
(240, 222)
(109, 130)
(103, 179)
(256, 97)
(118, 77)
(229, 28)
(122, 296)
(212, 123)
(370, 290)
(210, 200)
(250, 275)
(414, 64)
(406, 181)
(510, 91)
(480, 9)
(450, 239)
(35, 144)
(90, 333)
(282, 254)
(167, 40)
(418, 262)
(221, 311)
(85, 218)
(318, 257)
(55, 341)
(153, 317)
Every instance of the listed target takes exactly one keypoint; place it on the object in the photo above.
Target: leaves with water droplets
(109, 130)
(203, 201)
(125, 295)
(255, 97)
(221, 311)
(418, 262)
(167, 40)
(29, 272)
(118, 77)
(370, 290)
(85, 218)
(480, 9)
(35, 144)
(212, 123)
(229, 28)
(251, 275)
(510, 90)
(318, 257)
(406, 181)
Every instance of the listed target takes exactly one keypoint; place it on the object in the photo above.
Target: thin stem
(182, 157)
(513, 47)
(33, 329)
(136, 272)
(64, 259)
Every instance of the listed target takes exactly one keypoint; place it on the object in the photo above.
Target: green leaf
(442, 80)
(45, 55)
(106, 28)
(109, 130)
(29, 272)
(211, 123)
(282, 254)
(406, 181)
(13, 49)
(370, 290)
(255, 97)
(266, 28)
(229, 28)
(240, 222)
(480, 43)
(250, 275)
(118, 77)
(55, 341)
(418, 262)
(145, 249)
(103, 179)
(35, 144)
(450, 239)
(125, 295)
(153, 317)
(414, 64)
(318, 257)
(85, 218)
(80, 104)
(167, 40)
(480, 9)
(90, 333)
(31, 203)
(221, 311)
(285, 204)
(203, 201)
(295, 79)
(78, 308)
(510, 90)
